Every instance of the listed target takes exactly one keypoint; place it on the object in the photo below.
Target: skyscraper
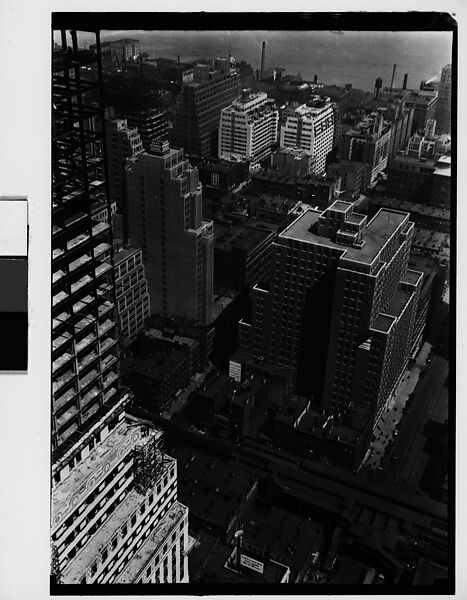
(248, 127)
(341, 306)
(165, 220)
(85, 345)
(199, 107)
(122, 142)
(443, 106)
(113, 487)
(310, 127)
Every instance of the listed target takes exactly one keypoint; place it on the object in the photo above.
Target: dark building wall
(410, 180)
(198, 112)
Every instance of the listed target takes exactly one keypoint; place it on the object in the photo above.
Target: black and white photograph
(251, 343)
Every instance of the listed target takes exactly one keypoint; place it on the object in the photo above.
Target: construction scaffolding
(149, 463)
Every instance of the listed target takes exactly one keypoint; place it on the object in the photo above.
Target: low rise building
(156, 377)
(428, 144)
(227, 407)
(354, 175)
(308, 434)
(410, 178)
(314, 190)
(219, 496)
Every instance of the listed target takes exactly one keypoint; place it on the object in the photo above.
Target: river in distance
(356, 57)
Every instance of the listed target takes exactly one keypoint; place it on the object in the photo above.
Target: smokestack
(392, 78)
(315, 79)
(404, 84)
(263, 58)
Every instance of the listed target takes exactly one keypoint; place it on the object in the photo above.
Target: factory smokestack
(392, 78)
(263, 59)
(404, 84)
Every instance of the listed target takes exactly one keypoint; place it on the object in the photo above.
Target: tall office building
(122, 142)
(114, 504)
(341, 305)
(199, 107)
(165, 220)
(248, 127)
(310, 127)
(443, 106)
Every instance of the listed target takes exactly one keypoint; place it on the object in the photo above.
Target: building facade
(248, 128)
(131, 290)
(310, 127)
(165, 221)
(443, 106)
(424, 108)
(410, 178)
(199, 107)
(116, 518)
(113, 488)
(151, 123)
(122, 142)
(369, 142)
(428, 144)
(340, 306)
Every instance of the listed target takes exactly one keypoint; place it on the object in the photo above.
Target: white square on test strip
(13, 227)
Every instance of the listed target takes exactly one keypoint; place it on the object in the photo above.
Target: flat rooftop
(377, 232)
(383, 323)
(341, 206)
(123, 253)
(411, 276)
(105, 452)
(242, 237)
(398, 303)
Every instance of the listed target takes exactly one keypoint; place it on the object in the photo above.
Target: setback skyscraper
(165, 220)
(340, 307)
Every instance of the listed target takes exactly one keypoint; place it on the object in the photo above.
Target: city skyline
(306, 363)
(252, 363)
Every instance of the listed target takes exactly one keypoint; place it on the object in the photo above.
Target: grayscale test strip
(13, 284)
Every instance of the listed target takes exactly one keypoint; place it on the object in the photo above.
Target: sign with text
(235, 371)
(251, 563)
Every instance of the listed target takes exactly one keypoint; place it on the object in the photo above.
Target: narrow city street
(177, 404)
(386, 430)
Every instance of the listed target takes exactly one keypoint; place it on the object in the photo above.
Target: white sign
(251, 563)
(235, 370)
